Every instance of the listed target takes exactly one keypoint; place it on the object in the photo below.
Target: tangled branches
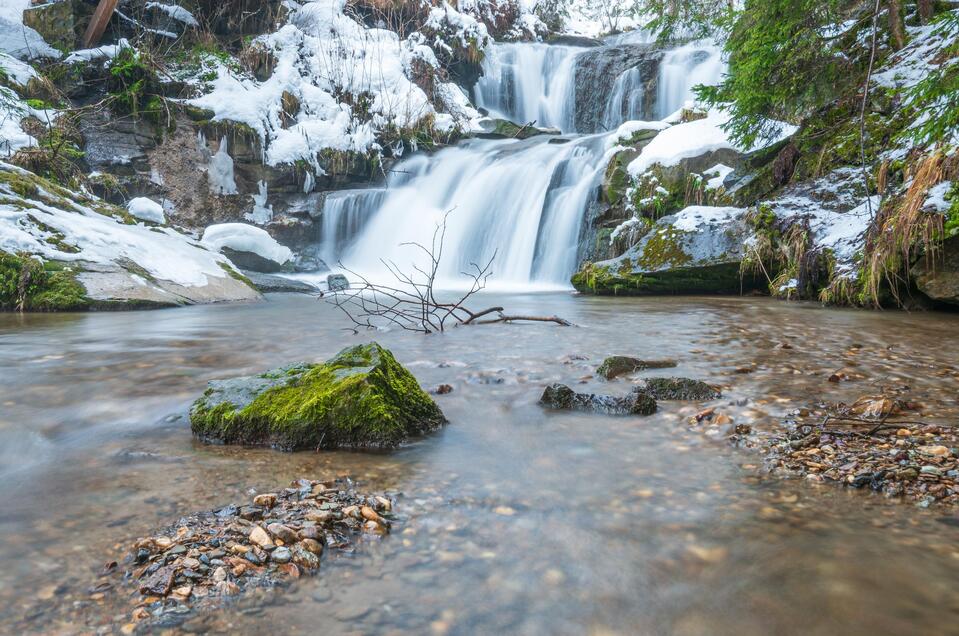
(412, 302)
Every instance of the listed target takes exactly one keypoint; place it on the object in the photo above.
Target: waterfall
(530, 82)
(344, 215)
(681, 70)
(523, 201)
(626, 101)
(520, 200)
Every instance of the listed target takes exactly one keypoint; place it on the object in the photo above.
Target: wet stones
(678, 389)
(561, 397)
(206, 558)
(615, 366)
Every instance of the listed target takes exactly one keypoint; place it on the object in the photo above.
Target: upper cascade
(593, 89)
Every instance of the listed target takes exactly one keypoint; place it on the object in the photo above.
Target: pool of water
(512, 519)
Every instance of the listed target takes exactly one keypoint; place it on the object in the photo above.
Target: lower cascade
(520, 200)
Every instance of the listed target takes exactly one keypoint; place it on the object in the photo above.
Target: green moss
(27, 284)
(710, 279)
(237, 276)
(361, 398)
(664, 248)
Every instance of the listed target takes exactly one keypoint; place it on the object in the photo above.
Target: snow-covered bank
(114, 258)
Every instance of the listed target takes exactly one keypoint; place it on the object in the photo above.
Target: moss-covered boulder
(615, 366)
(362, 399)
(504, 129)
(697, 251)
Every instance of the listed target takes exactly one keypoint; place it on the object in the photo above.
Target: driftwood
(412, 302)
(98, 23)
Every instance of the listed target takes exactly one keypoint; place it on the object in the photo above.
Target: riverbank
(512, 518)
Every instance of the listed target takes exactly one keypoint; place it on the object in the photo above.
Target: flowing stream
(522, 202)
(512, 519)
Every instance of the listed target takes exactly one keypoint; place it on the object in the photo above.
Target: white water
(523, 201)
(530, 83)
(681, 70)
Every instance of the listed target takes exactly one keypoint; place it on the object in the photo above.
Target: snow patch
(146, 210)
(694, 217)
(175, 11)
(241, 237)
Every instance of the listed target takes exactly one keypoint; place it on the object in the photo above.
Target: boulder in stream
(561, 397)
(615, 366)
(362, 398)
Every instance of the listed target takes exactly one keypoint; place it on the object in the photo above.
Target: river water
(512, 519)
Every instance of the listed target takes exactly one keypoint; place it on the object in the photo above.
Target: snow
(913, 63)
(692, 219)
(627, 129)
(625, 226)
(936, 198)
(241, 237)
(163, 252)
(692, 139)
(683, 141)
(146, 210)
(321, 53)
(717, 175)
(105, 52)
(17, 39)
(12, 110)
(175, 11)
(220, 171)
(262, 213)
(19, 72)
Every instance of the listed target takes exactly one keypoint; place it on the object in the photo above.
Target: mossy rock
(615, 366)
(361, 399)
(29, 284)
(678, 389)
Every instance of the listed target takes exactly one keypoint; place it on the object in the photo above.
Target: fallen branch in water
(412, 303)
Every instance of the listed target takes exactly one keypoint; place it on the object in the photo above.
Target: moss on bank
(361, 398)
(28, 284)
(722, 278)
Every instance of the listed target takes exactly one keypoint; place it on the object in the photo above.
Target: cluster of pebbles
(872, 445)
(207, 558)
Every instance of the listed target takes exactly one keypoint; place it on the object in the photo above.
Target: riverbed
(512, 519)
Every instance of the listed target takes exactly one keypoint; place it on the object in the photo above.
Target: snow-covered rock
(146, 210)
(248, 246)
(117, 261)
(697, 250)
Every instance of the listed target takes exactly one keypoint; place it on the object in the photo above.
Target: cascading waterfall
(626, 102)
(530, 82)
(681, 70)
(345, 212)
(523, 201)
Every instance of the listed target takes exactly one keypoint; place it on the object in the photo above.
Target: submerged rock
(939, 278)
(505, 129)
(361, 398)
(677, 389)
(615, 366)
(560, 396)
(268, 283)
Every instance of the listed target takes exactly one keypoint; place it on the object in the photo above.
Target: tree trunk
(926, 9)
(897, 26)
(98, 23)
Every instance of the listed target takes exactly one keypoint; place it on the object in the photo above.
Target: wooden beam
(98, 23)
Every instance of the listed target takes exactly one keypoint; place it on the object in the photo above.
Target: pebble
(283, 533)
(281, 555)
(260, 537)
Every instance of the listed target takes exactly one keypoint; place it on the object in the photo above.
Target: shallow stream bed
(512, 519)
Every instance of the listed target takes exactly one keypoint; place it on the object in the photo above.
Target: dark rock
(252, 261)
(503, 129)
(938, 278)
(337, 282)
(270, 284)
(615, 366)
(560, 396)
(308, 260)
(678, 389)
